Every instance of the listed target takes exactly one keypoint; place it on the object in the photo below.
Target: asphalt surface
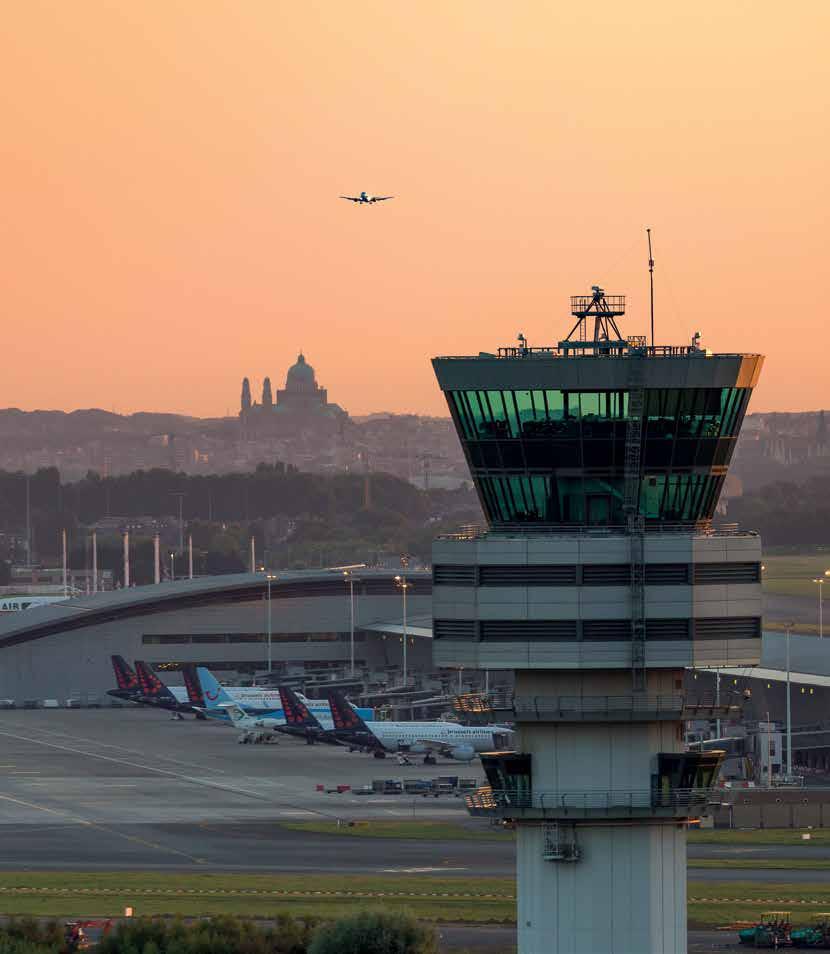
(134, 789)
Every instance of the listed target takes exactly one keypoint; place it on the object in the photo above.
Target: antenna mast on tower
(651, 284)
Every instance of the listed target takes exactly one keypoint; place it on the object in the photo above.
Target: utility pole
(181, 496)
(94, 561)
(126, 559)
(28, 524)
(403, 585)
(63, 550)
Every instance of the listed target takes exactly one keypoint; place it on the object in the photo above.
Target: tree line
(786, 513)
(330, 519)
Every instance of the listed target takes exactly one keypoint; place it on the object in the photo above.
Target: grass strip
(61, 894)
(412, 831)
(716, 903)
(761, 836)
(772, 864)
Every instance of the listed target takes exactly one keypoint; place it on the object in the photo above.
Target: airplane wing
(351, 198)
(381, 198)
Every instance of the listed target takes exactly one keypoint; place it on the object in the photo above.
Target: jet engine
(463, 753)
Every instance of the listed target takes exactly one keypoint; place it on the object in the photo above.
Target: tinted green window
(559, 456)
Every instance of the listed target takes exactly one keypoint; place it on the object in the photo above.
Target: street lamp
(268, 580)
(403, 586)
(349, 576)
(789, 713)
(172, 566)
(821, 580)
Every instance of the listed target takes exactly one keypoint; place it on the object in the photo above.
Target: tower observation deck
(598, 463)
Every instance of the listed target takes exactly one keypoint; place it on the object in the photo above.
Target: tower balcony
(634, 707)
(668, 803)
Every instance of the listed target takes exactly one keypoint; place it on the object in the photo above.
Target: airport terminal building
(63, 651)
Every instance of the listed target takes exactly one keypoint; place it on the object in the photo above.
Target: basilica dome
(300, 376)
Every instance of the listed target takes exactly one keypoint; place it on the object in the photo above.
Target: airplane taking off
(365, 199)
(449, 739)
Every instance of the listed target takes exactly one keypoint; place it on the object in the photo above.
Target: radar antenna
(604, 309)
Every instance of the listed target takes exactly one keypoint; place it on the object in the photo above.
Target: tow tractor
(816, 936)
(84, 935)
(773, 930)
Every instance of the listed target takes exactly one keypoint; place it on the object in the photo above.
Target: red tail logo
(343, 717)
(293, 709)
(194, 690)
(150, 683)
(125, 678)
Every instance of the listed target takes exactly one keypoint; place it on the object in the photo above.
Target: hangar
(63, 650)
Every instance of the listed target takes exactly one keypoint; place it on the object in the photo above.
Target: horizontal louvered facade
(564, 600)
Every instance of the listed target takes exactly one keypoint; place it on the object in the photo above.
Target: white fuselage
(411, 735)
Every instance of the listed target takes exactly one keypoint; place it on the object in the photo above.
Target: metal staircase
(634, 519)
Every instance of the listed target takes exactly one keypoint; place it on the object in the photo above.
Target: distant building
(302, 405)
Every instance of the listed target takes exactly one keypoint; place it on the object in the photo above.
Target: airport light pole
(789, 712)
(172, 566)
(403, 585)
(821, 580)
(270, 577)
(350, 579)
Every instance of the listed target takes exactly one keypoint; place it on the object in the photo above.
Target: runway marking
(207, 783)
(419, 870)
(103, 828)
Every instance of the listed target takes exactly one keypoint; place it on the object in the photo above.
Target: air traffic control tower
(598, 464)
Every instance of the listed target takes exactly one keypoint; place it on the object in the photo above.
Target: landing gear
(429, 760)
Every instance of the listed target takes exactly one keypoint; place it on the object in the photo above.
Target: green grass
(470, 899)
(760, 836)
(412, 831)
(793, 575)
(61, 894)
(716, 903)
(804, 864)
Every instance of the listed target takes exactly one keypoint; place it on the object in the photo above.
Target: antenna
(651, 284)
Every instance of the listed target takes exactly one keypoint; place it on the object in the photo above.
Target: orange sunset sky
(171, 169)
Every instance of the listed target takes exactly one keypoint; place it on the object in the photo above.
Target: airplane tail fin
(195, 696)
(214, 693)
(150, 684)
(295, 711)
(125, 678)
(343, 714)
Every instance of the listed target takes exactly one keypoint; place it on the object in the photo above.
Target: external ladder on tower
(634, 519)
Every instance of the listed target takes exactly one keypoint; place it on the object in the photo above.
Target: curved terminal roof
(83, 611)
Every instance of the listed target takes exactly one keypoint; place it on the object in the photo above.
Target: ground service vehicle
(815, 936)
(773, 930)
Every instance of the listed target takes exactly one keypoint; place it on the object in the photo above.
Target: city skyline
(172, 220)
